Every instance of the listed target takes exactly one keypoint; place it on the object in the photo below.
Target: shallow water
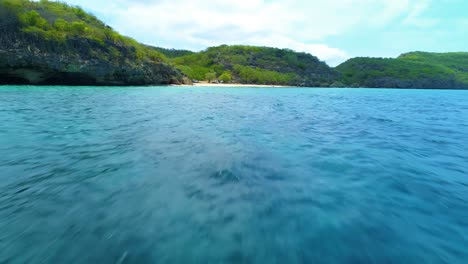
(222, 175)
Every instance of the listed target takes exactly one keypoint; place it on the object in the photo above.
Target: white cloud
(415, 17)
(303, 25)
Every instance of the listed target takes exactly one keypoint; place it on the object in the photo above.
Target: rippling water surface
(222, 175)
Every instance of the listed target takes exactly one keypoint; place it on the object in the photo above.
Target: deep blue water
(223, 175)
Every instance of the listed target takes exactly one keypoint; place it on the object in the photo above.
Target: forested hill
(410, 70)
(53, 43)
(48, 42)
(257, 65)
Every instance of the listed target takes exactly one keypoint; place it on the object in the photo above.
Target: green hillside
(410, 70)
(256, 65)
(49, 42)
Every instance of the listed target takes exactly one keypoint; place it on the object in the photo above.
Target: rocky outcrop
(23, 61)
(51, 43)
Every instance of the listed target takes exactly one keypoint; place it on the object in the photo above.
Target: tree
(78, 28)
(61, 24)
(210, 76)
(33, 19)
(225, 77)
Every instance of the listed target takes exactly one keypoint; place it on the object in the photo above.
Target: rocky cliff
(51, 43)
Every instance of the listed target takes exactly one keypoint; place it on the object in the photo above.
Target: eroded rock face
(30, 60)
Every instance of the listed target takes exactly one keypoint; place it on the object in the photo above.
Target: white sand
(205, 84)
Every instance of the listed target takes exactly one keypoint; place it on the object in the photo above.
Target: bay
(233, 175)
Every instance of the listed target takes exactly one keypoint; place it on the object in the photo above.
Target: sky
(333, 30)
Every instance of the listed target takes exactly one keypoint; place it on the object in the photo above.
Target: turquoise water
(222, 175)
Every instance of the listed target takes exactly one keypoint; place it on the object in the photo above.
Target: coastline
(206, 84)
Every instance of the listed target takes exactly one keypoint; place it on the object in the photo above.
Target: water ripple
(194, 175)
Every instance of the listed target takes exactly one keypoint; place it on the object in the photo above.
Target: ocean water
(233, 175)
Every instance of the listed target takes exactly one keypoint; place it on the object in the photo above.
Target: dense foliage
(48, 27)
(256, 65)
(411, 70)
(454, 62)
(48, 42)
(58, 22)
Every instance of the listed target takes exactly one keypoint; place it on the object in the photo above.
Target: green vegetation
(211, 76)
(226, 77)
(255, 75)
(48, 42)
(58, 22)
(411, 70)
(49, 27)
(256, 65)
(454, 62)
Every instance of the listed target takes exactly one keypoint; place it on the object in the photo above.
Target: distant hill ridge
(409, 70)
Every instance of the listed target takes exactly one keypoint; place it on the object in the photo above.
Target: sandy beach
(206, 84)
